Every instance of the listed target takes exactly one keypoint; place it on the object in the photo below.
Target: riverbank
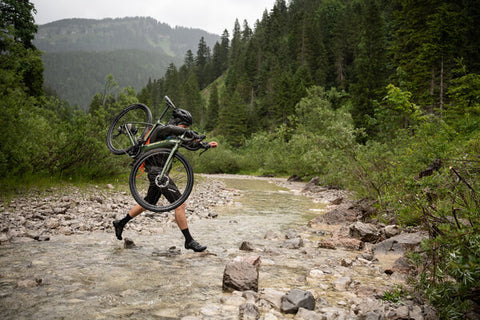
(71, 210)
(347, 280)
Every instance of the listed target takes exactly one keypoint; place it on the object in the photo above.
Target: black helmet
(181, 116)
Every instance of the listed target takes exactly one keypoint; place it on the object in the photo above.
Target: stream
(93, 276)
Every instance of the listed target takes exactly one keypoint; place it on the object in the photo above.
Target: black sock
(187, 235)
(125, 219)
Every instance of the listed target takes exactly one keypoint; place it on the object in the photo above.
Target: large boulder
(296, 299)
(335, 216)
(241, 276)
(365, 232)
(399, 244)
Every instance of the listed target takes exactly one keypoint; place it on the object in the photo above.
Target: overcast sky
(213, 16)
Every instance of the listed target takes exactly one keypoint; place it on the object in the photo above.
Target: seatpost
(169, 104)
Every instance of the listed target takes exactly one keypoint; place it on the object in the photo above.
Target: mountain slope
(80, 53)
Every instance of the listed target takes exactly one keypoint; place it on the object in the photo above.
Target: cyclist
(180, 122)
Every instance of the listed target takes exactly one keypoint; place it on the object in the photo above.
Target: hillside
(80, 53)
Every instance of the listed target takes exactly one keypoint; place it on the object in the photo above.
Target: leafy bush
(451, 267)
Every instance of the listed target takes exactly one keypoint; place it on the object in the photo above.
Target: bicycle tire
(144, 174)
(137, 116)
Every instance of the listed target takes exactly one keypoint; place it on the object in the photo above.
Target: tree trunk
(441, 87)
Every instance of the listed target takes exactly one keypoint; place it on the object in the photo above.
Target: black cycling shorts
(170, 192)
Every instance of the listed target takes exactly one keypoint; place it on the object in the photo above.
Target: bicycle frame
(171, 143)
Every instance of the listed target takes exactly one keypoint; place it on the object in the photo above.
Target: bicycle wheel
(129, 126)
(155, 193)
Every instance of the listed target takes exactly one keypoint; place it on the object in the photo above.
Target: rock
(42, 238)
(250, 296)
(364, 231)
(212, 214)
(314, 181)
(296, 299)
(366, 256)
(391, 231)
(253, 260)
(399, 244)
(327, 244)
(336, 216)
(248, 311)
(312, 186)
(305, 314)
(28, 283)
(373, 315)
(233, 300)
(349, 243)
(270, 235)
(332, 313)
(337, 201)
(416, 313)
(170, 252)
(401, 265)
(345, 262)
(294, 178)
(341, 283)
(272, 297)
(291, 234)
(316, 274)
(246, 246)
(128, 243)
(240, 275)
(210, 310)
(295, 243)
(401, 312)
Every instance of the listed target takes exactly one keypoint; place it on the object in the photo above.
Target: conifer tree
(213, 108)
(370, 66)
(173, 83)
(17, 51)
(192, 101)
(233, 118)
(201, 62)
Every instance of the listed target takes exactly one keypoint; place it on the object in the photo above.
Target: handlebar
(194, 137)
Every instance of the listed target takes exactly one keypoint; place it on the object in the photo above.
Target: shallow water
(92, 276)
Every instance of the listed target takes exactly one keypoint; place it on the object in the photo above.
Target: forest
(378, 97)
(78, 53)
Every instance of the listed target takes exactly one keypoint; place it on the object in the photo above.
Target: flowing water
(92, 276)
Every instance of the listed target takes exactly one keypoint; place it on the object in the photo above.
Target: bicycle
(157, 164)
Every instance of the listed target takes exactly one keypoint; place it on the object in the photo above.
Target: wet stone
(128, 243)
(296, 299)
(248, 311)
(170, 252)
(240, 275)
(246, 246)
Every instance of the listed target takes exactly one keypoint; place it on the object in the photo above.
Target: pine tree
(213, 107)
(233, 118)
(173, 83)
(192, 100)
(201, 62)
(17, 52)
(370, 66)
(429, 36)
